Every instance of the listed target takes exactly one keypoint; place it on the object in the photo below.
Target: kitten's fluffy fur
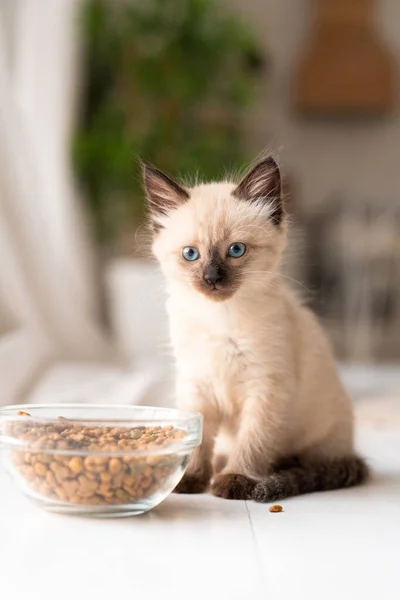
(249, 357)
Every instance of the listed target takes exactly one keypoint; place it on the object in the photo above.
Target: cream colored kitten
(249, 357)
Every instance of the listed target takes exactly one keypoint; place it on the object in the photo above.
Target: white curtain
(47, 294)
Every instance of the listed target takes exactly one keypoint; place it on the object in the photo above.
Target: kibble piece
(75, 500)
(44, 458)
(121, 494)
(95, 464)
(105, 490)
(117, 480)
(40, 469)
(128, 480)
(275, 508)
(51, 480)
(86, 484)
(105, 477)
(146, 482)
(147, 471)
(76, 464)
(115, 466)
(60, 471)
(70, 486)
(61, 493)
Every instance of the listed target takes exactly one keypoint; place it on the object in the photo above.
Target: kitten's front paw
(233, 487)
(192, 484)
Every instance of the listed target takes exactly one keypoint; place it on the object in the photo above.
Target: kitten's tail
(311, 477)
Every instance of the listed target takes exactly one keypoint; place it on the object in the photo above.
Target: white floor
(340, 545)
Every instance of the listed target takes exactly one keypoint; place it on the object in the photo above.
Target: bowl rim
(191, 420)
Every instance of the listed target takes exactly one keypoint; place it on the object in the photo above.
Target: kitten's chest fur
(219, 351)
(228, 360)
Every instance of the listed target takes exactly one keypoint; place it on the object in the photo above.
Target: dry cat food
(94, 478)
(275, 508)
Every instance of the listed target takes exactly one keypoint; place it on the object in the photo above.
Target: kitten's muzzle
(215, 281)
(213, 275)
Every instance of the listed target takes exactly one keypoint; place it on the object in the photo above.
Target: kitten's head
(218, 238)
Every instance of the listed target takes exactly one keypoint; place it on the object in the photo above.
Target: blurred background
(196, 87)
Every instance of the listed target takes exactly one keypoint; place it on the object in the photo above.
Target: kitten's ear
(163, 194)
(263, 183)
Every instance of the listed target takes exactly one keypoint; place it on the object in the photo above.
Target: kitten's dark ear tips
(263, 184)
(162, 193)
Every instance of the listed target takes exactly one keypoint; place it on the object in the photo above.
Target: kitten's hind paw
(192, 484)
(233, 487)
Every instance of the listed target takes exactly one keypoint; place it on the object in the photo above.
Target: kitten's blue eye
(236, 250)
(190, 253)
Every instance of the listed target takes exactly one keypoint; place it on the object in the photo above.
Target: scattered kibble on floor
(275, 508)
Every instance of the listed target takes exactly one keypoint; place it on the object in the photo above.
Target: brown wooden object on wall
(347, 70)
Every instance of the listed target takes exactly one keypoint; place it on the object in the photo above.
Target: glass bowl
(97, 460)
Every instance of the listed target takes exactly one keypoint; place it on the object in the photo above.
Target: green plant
(166, 81)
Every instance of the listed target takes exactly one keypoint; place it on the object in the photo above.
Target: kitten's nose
(213, 274)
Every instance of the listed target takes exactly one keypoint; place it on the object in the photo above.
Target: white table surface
(340, 545)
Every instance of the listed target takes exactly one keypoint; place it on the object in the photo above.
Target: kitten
(249, 356)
